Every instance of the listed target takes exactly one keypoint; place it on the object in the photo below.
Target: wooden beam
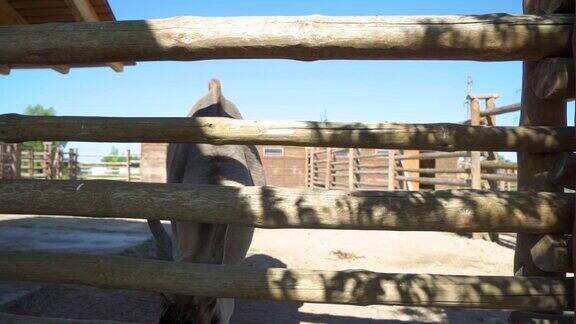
(62, 69)
(391, 170)
(435, 181)
(432, 170)
(475, 170)
(269, 207)
(553, 254)
(483, 95)
(433, 155)
(499, 177)
(499, 165)
(535, 112)
(84, 11)
(10, 17)
(501, 110)
(337, 287)
(217, 130)
(301, 38)
(554, 78)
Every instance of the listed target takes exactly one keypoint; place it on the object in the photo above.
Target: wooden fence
(541, 138)
(54, 163)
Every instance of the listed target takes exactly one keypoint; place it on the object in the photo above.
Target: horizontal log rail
(270, 207)
(370, 184)
(371, 172)
(369, 156)
(433, 155)
(498, 165)
(218, 130)
(494, 37)
(501, 110)
(337, 287)
(499, 177)
(432, 170)
(436, 181)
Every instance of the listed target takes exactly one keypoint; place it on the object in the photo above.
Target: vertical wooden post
(306, 168)
(14, 160)
(58, 164)
(47, 161)
(328, 178)
(76, 165)
(312, 167)
(535, 112)
(391, 169)
(71, 172)
(31, 163)
(351, 168)
(475, 171)
(128, 177)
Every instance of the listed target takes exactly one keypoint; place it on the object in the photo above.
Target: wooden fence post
(71, 165)
(47, 161)
(391, 169)
(31, 163)
(128, 158)
(328, 178)
(351, 168)
(475, 172)
(312, 167)
(535, 112)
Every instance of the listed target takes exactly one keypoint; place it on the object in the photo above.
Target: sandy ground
(403, 252)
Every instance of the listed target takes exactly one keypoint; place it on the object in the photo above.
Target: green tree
(114, 156)
(39, 110)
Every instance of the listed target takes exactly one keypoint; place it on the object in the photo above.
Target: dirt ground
(402, 252)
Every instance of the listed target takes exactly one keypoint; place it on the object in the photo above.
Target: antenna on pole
(324, 116)
(469, 83)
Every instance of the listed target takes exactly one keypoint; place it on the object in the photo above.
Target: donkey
(227, 165)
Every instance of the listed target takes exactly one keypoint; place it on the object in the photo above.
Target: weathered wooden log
(435, 181)
(499, 177)
(218, 130)
(552, 254)
(554, 77)
(432, 170)
(433, 155)
(495, 37)
(269, 207)
(535, 112)
(501, 110)
(499, 165)
(563, 171)
(371, 172)
(483, 95)
(337, 287)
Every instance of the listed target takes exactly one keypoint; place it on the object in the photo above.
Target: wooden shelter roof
(23, 12)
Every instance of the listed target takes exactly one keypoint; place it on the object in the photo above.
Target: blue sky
(394, 91)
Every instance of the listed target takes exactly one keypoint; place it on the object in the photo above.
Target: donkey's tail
(162, 239)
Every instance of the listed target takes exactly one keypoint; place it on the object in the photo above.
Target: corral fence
(54, 163)
(367, 169)
(540, 211)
